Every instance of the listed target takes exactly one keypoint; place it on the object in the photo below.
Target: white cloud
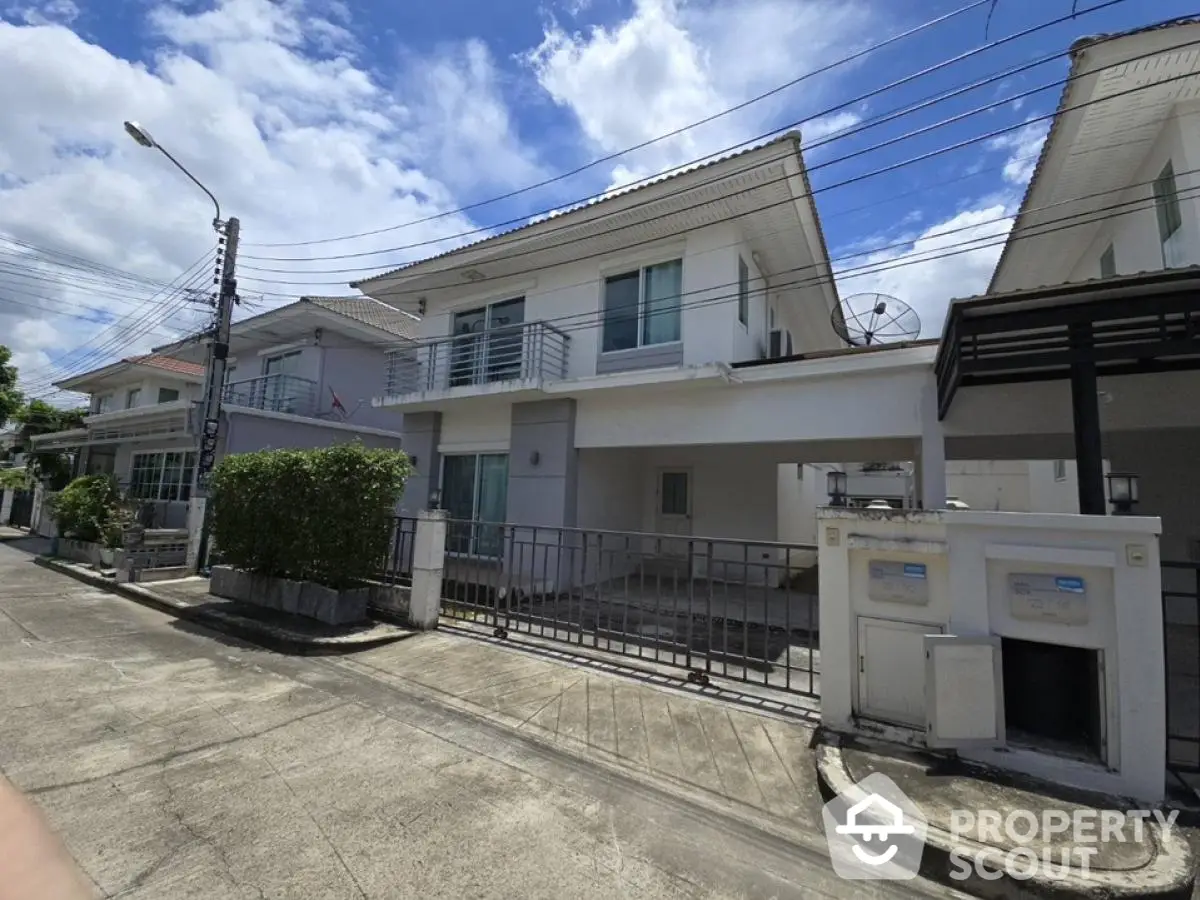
(684, 61)
(62, 11)
(952, 258)
(1023, 146)
(266, 104)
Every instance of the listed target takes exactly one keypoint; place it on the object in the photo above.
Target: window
(1060, 470)
(1170, 219)
(673, 494)
(743, 291)
(488, 343)
(166, 475)
(475, 495)
(642, 308)
(1108, 262)
(104, 403)
(133, 398)
(167, 395)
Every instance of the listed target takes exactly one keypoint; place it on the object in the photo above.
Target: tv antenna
(865, 320)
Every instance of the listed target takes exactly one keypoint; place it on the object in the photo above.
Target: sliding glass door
(487, 344)
(475, 494)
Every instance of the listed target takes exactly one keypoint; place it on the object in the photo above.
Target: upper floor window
(282, 364)
(743, 291)
(1170, 218)
(104, 403)
(1060, 470)
(133, 398)
(167, 395)
(1108, 262)
(642, 307)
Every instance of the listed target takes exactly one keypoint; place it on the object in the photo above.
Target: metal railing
(274, 393)
(713, 606)
(1181, 650)
(397, 568)
(530, 351)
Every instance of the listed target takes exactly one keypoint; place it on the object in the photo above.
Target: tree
(39, 417)
(11, 399)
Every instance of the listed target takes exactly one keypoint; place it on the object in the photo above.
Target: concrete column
(429, 559)
(195, 522)
(542, 493)
(6, 502)
(930, 467)
(422, 434)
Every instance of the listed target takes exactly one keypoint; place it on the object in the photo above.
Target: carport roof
(1125, 324)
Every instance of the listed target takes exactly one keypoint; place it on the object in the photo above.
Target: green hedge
(311, 515)
(91, 508)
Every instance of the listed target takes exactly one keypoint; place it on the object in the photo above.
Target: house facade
(299, 376)
(645, 363)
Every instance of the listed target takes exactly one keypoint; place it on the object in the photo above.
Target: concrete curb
(1169, 874)
(271, 637)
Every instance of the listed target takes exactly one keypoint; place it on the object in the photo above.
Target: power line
(662, 137)
(852, 180)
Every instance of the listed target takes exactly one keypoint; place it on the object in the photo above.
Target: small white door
(674, 508)
(891, 670)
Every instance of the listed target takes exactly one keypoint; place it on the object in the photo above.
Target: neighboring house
(10, 458)
(298, 376)
(1115, 189)
(644, 363)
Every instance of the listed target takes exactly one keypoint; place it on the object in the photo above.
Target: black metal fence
(21, 513)
(1181, 646)
(398, 565)
(742, 610)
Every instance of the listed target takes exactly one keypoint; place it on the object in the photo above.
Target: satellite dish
(864, 320)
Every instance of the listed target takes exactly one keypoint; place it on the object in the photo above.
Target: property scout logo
(877, 833)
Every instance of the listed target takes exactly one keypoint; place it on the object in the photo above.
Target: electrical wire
(662, 137)
(840, 135)
(988, 136)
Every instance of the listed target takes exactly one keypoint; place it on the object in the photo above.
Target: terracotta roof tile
(167, 364)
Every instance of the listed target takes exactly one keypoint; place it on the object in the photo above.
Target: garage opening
(1054, 698)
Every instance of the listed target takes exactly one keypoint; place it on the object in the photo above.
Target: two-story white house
(302, 375)
(644, 363)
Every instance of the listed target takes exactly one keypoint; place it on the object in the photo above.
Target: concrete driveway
(178, 763)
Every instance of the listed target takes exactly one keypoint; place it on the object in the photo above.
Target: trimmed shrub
(91, 508)
(320, 515)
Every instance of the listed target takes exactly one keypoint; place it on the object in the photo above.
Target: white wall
(610, 489)
(476, 427)
(149, 385)
(710, 329)
(1134, 234)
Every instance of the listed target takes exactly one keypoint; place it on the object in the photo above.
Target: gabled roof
(369, 311)
(1140, 71)
(159, 361)
(586, 208)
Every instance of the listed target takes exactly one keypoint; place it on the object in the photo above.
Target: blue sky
(319, 118)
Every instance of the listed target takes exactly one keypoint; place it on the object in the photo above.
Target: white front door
(674, 508)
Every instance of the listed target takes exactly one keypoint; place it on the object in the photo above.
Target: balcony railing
(274, 393)
(530, 351)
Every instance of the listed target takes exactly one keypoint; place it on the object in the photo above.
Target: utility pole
(214, 384)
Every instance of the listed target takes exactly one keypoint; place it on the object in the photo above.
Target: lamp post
(218, 348)
(836, 484)
(1122, 492)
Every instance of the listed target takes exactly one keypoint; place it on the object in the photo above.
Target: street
(179, 763)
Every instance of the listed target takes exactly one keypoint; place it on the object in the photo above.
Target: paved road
(177, 763)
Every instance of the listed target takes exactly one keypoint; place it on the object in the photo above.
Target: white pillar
(6, 502)
(195, 523)
(930, 469)
(429, 558)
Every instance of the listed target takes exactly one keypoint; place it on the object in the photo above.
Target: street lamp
(835, 482)
(1122, 492)
(218, 348)
(142, 136)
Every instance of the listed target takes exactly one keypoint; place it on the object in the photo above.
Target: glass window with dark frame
(642, 308)
(1108, 262)
(743, 292)
(1170, 217)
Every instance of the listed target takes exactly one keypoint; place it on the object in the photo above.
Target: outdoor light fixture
(435, 499)
(415, 461)
(142, 136)
(534, 457)
(836, 483)
(1122, 492)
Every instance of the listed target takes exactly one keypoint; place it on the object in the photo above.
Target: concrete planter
(85, 552)
(301, 598)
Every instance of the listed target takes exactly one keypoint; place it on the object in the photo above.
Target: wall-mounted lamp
(415, 460)
(835, 482)
(534, 457)
(1122, 492)
(435, 499)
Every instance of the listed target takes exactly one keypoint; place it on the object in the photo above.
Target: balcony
(512, 356)
(274, 393)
